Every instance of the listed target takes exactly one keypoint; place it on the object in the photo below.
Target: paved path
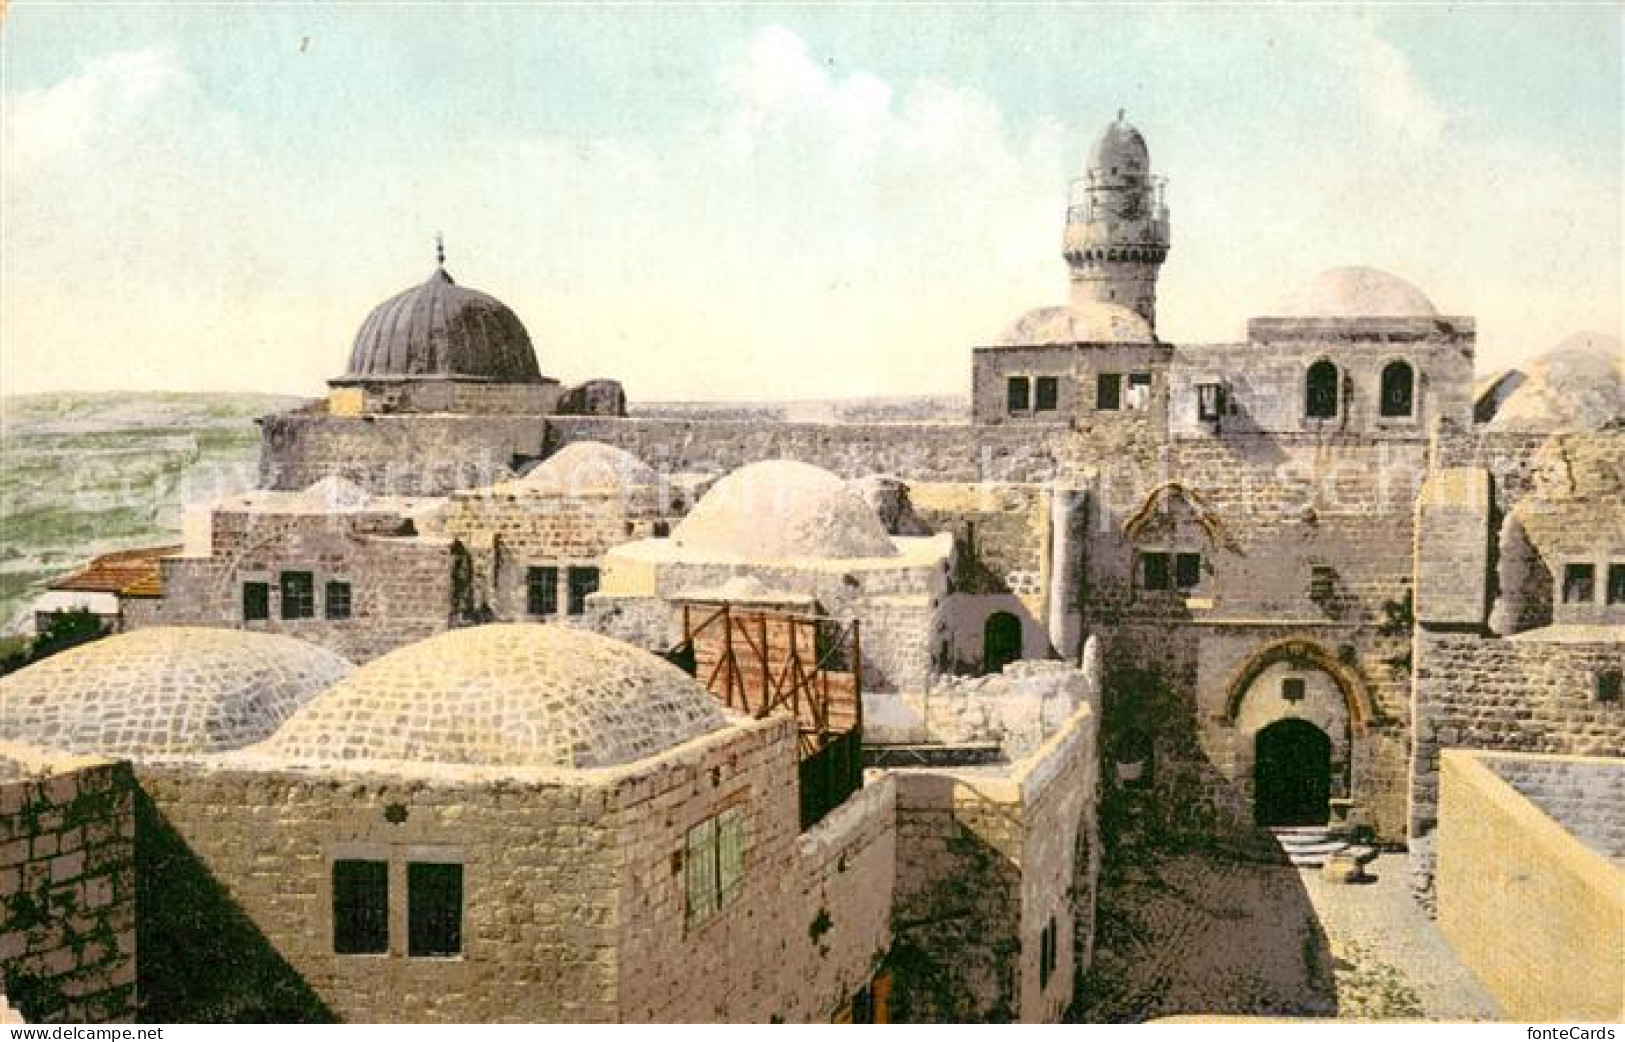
(1201, 934)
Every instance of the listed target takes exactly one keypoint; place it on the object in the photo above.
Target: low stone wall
(67, 887)
(1535, 913)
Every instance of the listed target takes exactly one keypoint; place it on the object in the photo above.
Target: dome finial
(439, 250)
(1119, 115)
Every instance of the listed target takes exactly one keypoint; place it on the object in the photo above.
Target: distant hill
(81, 474)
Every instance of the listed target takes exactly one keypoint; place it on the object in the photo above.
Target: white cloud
(50, 124)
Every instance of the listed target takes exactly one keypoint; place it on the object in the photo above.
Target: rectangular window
(1046, 393)
(1138, 396)
(1154, 571)
(256, 601)
(1579, 583)
(1047, 939)
(1616, 584)
(338, 600)
(1209, 402)
(730, 855)
(360, 907)
(582, 582)
(1293, 689)
(542, 591)
(1108, 391)
(1016, 393)
(1187, 570)
(434, 909)
(298, 595)
(700, 871)
(1609, 683)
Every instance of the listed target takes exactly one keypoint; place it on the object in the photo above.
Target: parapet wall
(1521, 694)
(1536, 914)
(67, 887)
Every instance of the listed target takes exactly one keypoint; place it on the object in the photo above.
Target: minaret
(1117, 225)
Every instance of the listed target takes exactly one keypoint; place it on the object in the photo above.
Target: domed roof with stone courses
(165, 690)
(781, 509)
(1119, 150)
(589, 466)
(504, 696)
(1577, 385)
(440, 330)
(1357, 292)
(1097, 322)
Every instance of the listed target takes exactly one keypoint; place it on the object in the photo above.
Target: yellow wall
(1536, 914)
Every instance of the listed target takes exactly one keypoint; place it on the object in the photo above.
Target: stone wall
(396, 454)
(1537, 915)
(1077, 369)
(1584, 795)
(574, 903)
(986, 859)
(402, 589)
(67, 887)
(1518, 694)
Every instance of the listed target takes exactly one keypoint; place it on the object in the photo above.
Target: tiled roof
(128, 573)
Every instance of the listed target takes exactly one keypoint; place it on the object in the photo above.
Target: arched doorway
(1292, 774)
(1001, 641)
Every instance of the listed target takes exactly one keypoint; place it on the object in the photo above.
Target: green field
(81, 474)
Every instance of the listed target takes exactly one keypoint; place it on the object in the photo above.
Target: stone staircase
(1308, 846)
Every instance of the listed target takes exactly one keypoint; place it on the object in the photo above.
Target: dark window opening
(1016, 394)
(360, 907)
(542, 591)
(1138, 397)
(1398, 383)
(1294, 689)
(583, 581)
(1321, 391)
(1609, 684)
(1187, 570)
(338, 600)
(298, 595)
(1616, 584)
(1001, 641)
(256, 601)
(1579, 583)
(1108, 391)
(434, 909)
(1209, 402)
(1047, 952)
(1154, 571)
(1046, 393)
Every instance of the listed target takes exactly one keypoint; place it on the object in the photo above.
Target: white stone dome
(1097, 322)
(1579, 384)
(589, 467)
(1357, 292)
(1120, 150)
(503, 696)
(166, 690)
(780, 509)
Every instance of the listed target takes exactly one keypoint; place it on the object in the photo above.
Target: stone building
(519, 822)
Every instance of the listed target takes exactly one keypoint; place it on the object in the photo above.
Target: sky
(724, 202)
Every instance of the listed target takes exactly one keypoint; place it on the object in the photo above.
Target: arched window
(1398, 384)
(1320, 398)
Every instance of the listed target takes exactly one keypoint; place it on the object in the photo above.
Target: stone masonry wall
(1501, 694)
(1586, 796)
(67, 887)
(236, 903)
(986, 858)
(1535, 914)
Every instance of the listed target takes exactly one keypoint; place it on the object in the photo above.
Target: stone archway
(1001, 641)
(1292, 774)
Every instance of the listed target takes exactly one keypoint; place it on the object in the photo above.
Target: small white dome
(589, 467)
(781, 509)
(1577, 385)
(1093, 323)
(503, 696)
(165, 690)
(1357, 292)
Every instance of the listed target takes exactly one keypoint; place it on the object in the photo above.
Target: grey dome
(440, 330)
(1120, 150)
